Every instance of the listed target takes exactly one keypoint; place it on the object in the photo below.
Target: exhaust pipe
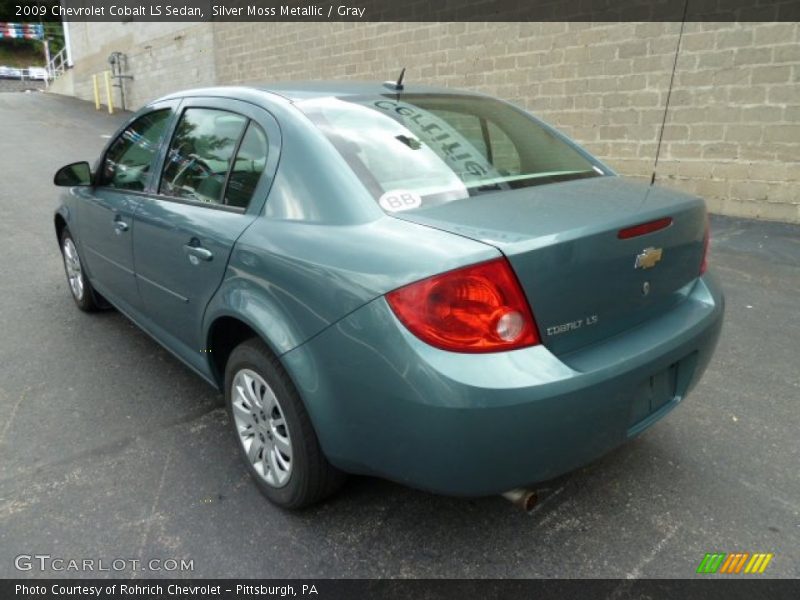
(522, 498)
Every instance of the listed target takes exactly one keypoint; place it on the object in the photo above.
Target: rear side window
(247, 168)
(127, 163)
(418, 150)
(201, 153)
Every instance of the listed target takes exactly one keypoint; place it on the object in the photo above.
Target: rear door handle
(197, 252)
(120, 226)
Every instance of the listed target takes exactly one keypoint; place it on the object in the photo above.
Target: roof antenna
(398, 85)
(669, 91)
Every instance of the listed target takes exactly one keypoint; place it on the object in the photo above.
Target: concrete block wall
(733, 129)
(162, 57)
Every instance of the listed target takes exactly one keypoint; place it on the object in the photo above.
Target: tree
(53, 30)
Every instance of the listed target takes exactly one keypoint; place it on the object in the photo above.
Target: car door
(216, 173)
(105, 215)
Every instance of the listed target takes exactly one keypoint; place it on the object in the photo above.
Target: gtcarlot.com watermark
(47, 562)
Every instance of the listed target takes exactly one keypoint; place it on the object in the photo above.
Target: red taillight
(480, 308)
(706, 240)
(644, 228)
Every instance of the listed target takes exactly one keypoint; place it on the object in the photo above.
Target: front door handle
(196, 253)
(120, 226)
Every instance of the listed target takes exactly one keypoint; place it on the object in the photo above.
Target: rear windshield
(414, 151)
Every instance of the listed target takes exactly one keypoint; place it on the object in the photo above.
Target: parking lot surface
(110, 448)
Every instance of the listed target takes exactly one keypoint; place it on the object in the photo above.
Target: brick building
(733, 128)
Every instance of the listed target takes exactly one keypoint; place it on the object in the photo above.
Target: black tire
(311, 477)
(89, 300)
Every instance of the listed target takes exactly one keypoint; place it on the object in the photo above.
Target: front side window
(201, 154)
(127, 163)
(425, 149)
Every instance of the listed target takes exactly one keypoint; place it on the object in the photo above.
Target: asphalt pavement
(112, 449)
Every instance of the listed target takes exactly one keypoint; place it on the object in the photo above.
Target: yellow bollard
(108, 93)
(96, 92)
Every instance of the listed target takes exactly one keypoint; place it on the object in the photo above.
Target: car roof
(297, 91)
(304, 90)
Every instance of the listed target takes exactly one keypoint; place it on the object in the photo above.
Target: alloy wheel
(261, 427)
(72, 263)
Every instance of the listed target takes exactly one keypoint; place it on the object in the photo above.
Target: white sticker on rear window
(397, 200)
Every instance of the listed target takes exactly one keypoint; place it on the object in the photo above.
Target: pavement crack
(636, 573)
(154, 507)
(12, 415)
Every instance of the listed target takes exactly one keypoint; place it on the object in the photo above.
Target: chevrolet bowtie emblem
(648, 258)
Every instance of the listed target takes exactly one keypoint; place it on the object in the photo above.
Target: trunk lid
(562, 241)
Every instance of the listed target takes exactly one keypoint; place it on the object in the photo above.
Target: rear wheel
(273, 430)
(80, 288)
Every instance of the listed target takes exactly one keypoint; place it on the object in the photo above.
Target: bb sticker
(397, 200)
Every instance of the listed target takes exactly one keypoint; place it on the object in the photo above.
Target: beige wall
(733, 130)
(162, 57)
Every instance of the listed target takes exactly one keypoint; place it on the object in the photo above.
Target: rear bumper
(385, 403)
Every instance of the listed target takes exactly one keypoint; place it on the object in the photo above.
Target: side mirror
(78, 173)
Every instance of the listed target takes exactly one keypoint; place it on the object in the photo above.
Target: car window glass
(200, 154)
(247, 168)
(128, 160)
(504, 153)
(421, 150)
(487, 138)
(468, 125)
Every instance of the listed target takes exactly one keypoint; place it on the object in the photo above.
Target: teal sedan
(416, 283)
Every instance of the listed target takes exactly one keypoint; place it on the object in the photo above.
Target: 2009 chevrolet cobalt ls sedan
(425, 285)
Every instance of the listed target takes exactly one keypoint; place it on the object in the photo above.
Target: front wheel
(79, 286)
(273, 430)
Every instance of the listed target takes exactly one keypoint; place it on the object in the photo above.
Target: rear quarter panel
(289, 280)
